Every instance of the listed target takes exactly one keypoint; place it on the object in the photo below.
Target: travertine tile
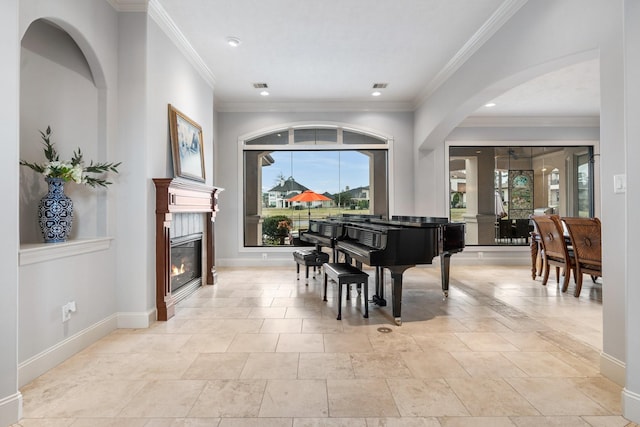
(500, 351)
(329, 422)
(420, 398)
(439, 341)
(556, 396)
(347, 343)
(216, 366)
(372, 365)
(562, 421)
(100, 398)
(325, 365)
(490, 397)
(485, 341)
(253, 343)
(271, 366)
(229, 398)
(403, 422)
(433, 364)
(360, 398)
(540, 364)
(173, 398)
(488, 364)
(300, 343)
(295, 398)
(476, 422)
(287, 326)
(255, 422)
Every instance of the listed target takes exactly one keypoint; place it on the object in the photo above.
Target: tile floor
(262, 349)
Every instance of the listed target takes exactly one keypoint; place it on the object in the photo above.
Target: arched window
(348, 167)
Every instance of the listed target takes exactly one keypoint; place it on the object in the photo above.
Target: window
(494, 189)
(347, 168)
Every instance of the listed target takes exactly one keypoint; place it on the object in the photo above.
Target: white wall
(137, 72)
(10, 397)
(631, 394)
(153, 73)
(59, 92)
(234, 125)
(134, 274)
(565, 32)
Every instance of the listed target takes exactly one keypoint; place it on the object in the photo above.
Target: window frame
(386, 143)
(595, 170)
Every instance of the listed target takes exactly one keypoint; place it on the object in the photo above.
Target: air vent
(260, 85)
(380, 85)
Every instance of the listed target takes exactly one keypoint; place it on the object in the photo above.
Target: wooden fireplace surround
(177, 196)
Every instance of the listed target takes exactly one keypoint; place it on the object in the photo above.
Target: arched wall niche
(62, 85)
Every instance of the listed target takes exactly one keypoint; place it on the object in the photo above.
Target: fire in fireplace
(186, 261)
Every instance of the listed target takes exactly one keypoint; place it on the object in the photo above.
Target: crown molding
(539, 121)
(129, 5)
(479, 38)
(310, 107)
(162, 18)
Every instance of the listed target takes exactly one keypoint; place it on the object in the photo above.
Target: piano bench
(309, 258)
(345, 274)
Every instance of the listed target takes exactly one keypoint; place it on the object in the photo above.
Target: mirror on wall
(494, 189)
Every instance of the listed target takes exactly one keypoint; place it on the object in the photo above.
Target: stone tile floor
(261, 348)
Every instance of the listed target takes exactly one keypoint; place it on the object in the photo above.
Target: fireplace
(186, 262)
(174, 198)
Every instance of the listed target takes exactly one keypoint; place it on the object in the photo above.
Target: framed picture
(186, 146)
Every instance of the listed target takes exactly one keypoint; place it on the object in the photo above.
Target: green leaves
(73, 170)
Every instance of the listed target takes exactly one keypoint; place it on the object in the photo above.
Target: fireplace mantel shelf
(180, 196)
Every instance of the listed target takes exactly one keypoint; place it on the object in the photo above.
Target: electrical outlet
(264, 256)
(67, 309)
(66, 313)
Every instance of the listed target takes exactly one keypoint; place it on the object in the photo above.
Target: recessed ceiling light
(233, 41)
(376, 93)
(490, 104)
(264, 93)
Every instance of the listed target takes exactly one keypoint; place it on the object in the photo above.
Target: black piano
(398, 244)
(325, 232)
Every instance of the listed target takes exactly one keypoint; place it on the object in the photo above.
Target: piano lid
(413, 221)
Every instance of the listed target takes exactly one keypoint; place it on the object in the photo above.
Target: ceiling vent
(380, 85)
(260, 85)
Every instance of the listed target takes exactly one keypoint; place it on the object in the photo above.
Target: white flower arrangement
(73, 170)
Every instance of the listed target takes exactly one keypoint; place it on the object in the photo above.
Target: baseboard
(254, 262)
(37, 365)
(10, 409)
(631, 405)
(613, 369)
(136, 320)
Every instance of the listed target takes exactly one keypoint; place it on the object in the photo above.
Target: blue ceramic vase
(55, 212)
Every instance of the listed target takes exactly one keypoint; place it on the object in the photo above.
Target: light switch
(619, 183)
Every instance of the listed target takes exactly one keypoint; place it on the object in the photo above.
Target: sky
(320, 171)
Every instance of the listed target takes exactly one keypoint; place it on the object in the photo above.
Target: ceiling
(332, 52)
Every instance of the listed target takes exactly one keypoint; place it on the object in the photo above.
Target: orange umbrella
(308, 196)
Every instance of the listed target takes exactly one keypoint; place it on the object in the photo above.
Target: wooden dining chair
(554, 248)
(585, 234)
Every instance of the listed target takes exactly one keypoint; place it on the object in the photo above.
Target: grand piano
(326, 232)
(396, 244)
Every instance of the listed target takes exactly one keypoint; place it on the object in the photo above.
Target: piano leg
(396, 289)
(378, 297)
(445, 259)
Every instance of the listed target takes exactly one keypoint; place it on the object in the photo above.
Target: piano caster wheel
(446, 294)
(398, 321)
